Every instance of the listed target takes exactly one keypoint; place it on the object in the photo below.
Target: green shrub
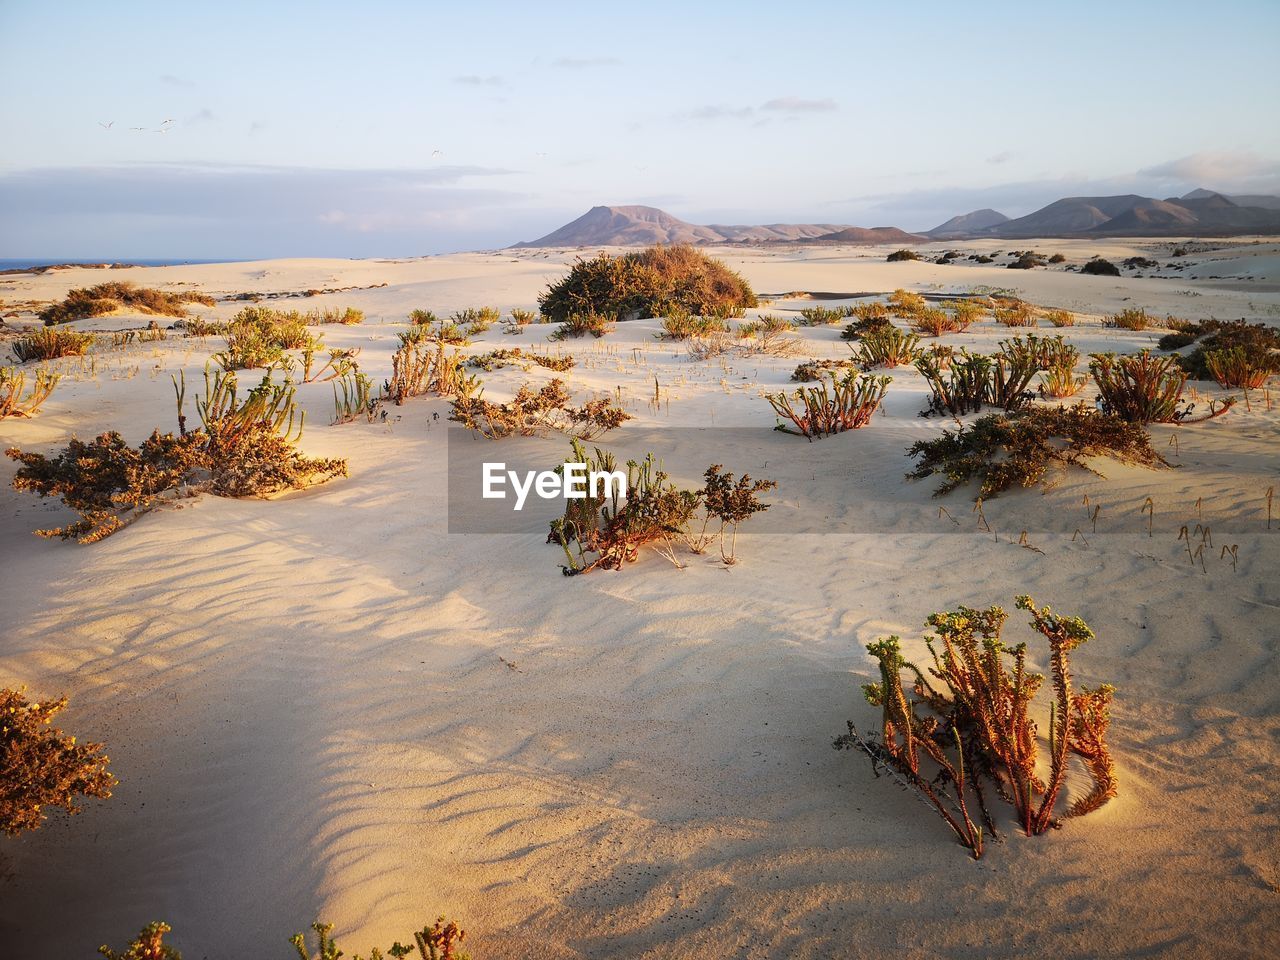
(582, 324)
(682, 325)
(969, 380)
(647, 283)
(1259, 346)
(347, 316)
(1239, 367)
(821, 316)
(1015, 313)
(1130, 319)
(41, 767)
(904, 303)
(887, 347)
(1060, 318)
(86, 302)
(1005, 451)
(899, 256)
(50, 345)
(933, 322)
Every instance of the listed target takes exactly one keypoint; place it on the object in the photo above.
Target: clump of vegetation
(347, 316)
(903, 303)
(1130, 319)
(502, 358)
(965, 312)
(258, 336)
(1239, 367)
(475, 321)
(647, 283)
(200, 327)
(844, 403)
(1004, 451)
(41, 767)
(534, 412)
(1060, 318)
(887, 347)
(522, 318)
(50, 345)
(1257, 343)
(442, 941)
(149, 945)
(966, 381)
(1057, 258)
(1144, 388)
(1058, 378)
(419, 368)
(606, 530)
(1140, 263)
(1026, 260)
(1099, 267)
(933, 322)
(812, 370)
(899, 256)
(16, 400)
(1015, 313)
(243, 448)
(868, 318)
(96, 301)
(681, 325)
(582, 324)
(821, 316)
(976, 726)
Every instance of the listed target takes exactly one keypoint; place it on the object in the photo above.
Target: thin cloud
(1232, 172)
(717, 112)
(475, 80)
(1003, 157)
(799, 105)
(171, 80)
(583, 63)
(203, 115)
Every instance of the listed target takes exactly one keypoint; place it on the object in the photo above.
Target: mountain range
(1198, 213)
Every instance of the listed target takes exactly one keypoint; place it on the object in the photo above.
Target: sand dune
(305, 702)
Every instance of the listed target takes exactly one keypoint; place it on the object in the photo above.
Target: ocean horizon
(31, 262)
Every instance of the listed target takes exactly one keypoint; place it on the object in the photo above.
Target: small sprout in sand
(18, 401)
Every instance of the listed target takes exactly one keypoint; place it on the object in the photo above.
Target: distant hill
(643, 226)
(1199, 213)
(1265, 201)
(967, 224)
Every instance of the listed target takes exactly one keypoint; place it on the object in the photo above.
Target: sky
(408, 128)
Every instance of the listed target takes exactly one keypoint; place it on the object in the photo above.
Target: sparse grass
(821, 316)
(1130, 319)
(16, 400)
(844, 402)
(1006, 451)
(978, 731)
(475, 321)
(535, 412)
(1060, 318)
(346, 315)
(648, 283)
(41, 767)
(933, 322)
(681, 326)
(1015, 313)
(965, 312)
(50, 344)
(104, 298)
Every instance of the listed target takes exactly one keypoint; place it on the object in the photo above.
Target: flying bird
(108, 125)
(437, 153)
(139, 129)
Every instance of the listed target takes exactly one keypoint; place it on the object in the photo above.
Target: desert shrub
(16, 400)
(50, 345)
(900, 255)
(347, 316)
(1144, 388)
(495, 359)
(199, 327)
(419, 368)
(682, 326)
(1140, 263)
(1005, 451)
(1058, 380)
(339, 363)
(86, 302)
(812, 370)
(903, 303)
(422, 318)
(534, 412)
(439, 942)
(1026, 261)
(764, 325)
(977, 727)
(965, 312)
(844, 403)
(258, 336)
(887, 347)
(820, 316)
(1258, 342)
(645, 283)
(983, 258)
(353, 398)
(1057, 258)
(582, 324)
(522, 318)
(475, 321)
(1060, 318)
(968, 380)
(148, 945)
(1015, 313)
(867, 321)
(730, 502)
(41, 767)
(1099, 267)
(933, 322)
(243, 448)
(1237, 367)
(1130, 319)
(867, 312)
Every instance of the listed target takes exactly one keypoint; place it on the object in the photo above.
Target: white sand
(305, 705)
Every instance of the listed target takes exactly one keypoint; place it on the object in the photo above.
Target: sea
(46, 261)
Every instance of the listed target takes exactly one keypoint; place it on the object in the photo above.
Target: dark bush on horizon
(105, 298)
(899, 255)
(1101, 268)
(648, 283)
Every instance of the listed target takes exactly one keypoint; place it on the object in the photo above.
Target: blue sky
(397, 128)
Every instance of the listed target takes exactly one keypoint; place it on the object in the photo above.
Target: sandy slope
(306, 707)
